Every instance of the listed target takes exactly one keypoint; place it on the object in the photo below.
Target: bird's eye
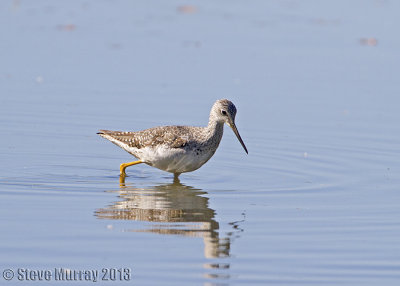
(223, 112)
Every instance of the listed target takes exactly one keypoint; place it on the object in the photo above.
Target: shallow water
(317, 199)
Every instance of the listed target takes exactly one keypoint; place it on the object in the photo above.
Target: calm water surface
(317, 199)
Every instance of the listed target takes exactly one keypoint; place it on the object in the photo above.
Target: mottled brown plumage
(172, 136)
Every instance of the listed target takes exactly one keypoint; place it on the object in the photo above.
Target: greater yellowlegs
(177, 149)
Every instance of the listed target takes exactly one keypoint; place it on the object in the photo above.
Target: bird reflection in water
(173, 209)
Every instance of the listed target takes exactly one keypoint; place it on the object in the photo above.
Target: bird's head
(224, 111)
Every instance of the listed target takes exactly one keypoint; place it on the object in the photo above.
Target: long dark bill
(233, 126)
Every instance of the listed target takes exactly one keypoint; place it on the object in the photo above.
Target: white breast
(174, 160)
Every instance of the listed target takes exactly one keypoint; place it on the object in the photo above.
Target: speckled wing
(172, 136)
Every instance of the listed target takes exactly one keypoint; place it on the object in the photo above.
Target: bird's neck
(214, 131)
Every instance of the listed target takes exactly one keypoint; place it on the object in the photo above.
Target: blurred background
(316, 85)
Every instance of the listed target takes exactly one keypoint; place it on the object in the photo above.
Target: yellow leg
(124, 165)
(122, 181)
